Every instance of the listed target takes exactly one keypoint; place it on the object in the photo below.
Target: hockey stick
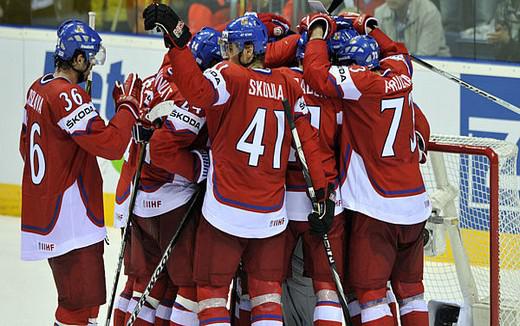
(163, 261)
(468, 86)
(91, 24)
(233, 297)
(318, 6)
(312, 194)
(124, 239)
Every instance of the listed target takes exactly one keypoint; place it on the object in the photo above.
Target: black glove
(321, 220)
(141, 134)
(176, 33)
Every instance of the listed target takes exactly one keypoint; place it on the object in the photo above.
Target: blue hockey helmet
(243, 30)
(205, 47)
(363, 50)
(75, 35)
(337, 44)
(342, 23)
(302, 43)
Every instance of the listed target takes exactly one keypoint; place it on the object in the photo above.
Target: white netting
(462, 192)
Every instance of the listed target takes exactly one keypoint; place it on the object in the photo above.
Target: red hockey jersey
(379, 170)
(170, 169)
(62, 195)
(326, 117)
(250, 142)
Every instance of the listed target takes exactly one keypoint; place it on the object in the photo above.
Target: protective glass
(100, 57)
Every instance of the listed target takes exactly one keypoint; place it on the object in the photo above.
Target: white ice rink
(27, 288)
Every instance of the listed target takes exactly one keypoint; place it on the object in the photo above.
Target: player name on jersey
(265, 89)
(397, 83)
(35, 101)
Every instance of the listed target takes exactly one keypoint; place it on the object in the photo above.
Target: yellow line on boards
(11, 202)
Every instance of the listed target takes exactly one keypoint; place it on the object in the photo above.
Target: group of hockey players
(223, 156)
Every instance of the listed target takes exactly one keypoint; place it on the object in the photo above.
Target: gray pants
(298, 299)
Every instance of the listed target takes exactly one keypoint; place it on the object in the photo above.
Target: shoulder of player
(396, 62)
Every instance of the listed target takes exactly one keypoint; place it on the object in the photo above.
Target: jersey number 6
(36, 150)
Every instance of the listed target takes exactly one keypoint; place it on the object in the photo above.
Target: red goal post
(472, 257)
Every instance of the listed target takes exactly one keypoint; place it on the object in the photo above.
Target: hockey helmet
(363, 50)
(205, 47)
(342, 23)
(75, 35)
(338, 44)
(243, 30)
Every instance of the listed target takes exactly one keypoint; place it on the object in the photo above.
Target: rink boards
(27, 53)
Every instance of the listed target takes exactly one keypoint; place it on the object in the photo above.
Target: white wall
(450, 111)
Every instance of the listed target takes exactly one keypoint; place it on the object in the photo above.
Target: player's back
(380, 157)
(61, 181)
(250, 144)
(379, 126)
(325, 117)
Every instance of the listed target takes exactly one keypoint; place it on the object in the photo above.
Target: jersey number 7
(396, 104)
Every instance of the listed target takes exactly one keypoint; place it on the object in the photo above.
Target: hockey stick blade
(162, 109)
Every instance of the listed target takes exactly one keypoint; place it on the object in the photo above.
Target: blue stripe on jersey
(90, 214)
(215, 320)
(120, 199)
(267, 316)
(261, 209)
(50, 226)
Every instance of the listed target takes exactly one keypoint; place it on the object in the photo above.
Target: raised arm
(77, 116)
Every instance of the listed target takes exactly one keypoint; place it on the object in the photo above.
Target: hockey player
(381, 180)
(326, 116)
(62, 198)
(244, 207)
(168, 181)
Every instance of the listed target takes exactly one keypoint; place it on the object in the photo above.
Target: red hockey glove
(202, 164)
(176, 32)
(321, 220)
(325, 21)
(277, 26)
(363, 23)
(303, 26)
(128, 95)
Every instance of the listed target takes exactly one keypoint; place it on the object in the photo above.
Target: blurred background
(471, 29)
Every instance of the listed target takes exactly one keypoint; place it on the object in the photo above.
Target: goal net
(472, 239)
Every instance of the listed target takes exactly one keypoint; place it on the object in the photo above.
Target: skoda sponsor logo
(79, 115)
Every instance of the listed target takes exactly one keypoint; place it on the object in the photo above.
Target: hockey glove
(277, 26)
(176, 32)
(321, 221)
(141, 134)
(202, 164)
(325, 21)
(303, 26)
(128, 95)
(363, 23)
